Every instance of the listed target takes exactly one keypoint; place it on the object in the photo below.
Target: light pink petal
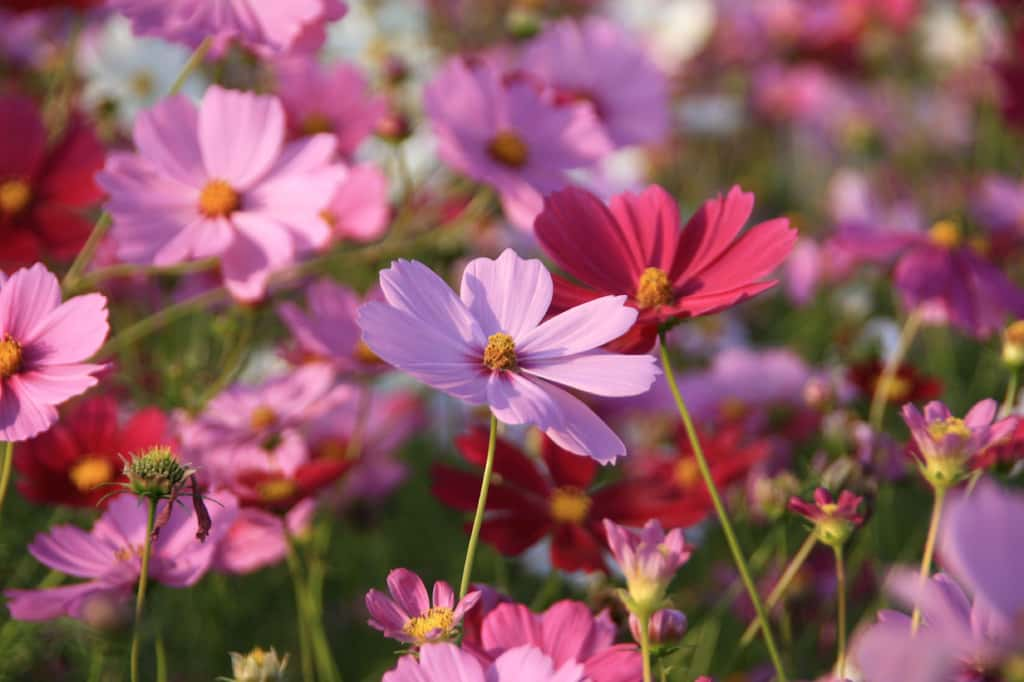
(71, 550)
(448, 662)
(530, 663)
(509, 294)
(360, 205)
(240, 135)
(68, 600)
(261, 247)
(168, 136)
(72, 332)
(408, 590)
(509, 626)
(20, 416)
(887, 651)
(598, 372)
(54, 384)
(26, 298)
(255, 540)
(982, 414)
(567, 630)
(385, 614)
(443, 595)
(582, 328)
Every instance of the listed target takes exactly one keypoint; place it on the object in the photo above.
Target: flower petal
(598, 372)
(240, 135)
(578, 329)
(509, 294)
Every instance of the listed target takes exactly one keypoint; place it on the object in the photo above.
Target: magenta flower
(43, 344)
(980, 542)
(448, 663)
(350, 111)
(258, 538)
(221, 182)
(649, 559)
(507, 132)
(946, 445)
(109, 556)
(266, 26)
(567, 632)
(833, 520)
(594, 61)
(489, 347)
(408, 615)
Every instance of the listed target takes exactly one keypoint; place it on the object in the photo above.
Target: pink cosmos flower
(649, 559)
(408, 616)
(634, 247)
(359, 209)
(258, 538)
(43, 344)
(221, 182)
(833, 519)
(489, 346)
(109, 556)
(567, 632)
(507, 132)
(266, 26)
(448, 663)
(594, 61)
(333, 99)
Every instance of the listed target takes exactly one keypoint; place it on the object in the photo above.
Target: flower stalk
(929, 550)
(5, 471)
(481, 506)
(840, 612)
(140, 597)
(878, 400)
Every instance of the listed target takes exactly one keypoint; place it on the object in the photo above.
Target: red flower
(43, 191)
(526, 503)
(70, 463)
(677, 478)
(907, 385)
(634, 247)
(30, 5)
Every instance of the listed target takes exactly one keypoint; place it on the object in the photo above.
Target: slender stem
(840, 612)
(929, 551)
(161, 659)
(645, 645)
(193, 63)
(882, 386)
(481, 505)
(723, 516)
(121, 270)
(5, 471)
(96, 659)
(1012, 386)
(305, 650)
(140, 598)
(316, 645)
(782, 585)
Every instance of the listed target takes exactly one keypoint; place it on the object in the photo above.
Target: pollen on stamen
(500, 353)
(218, 199)
(508, 148)
(14, 196)
(11, 357)
(654, 289)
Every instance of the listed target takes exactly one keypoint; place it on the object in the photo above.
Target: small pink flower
(408, 616)
(43, 344)
(833, 520)
(448, 663)
(649, 559)
(221, 182)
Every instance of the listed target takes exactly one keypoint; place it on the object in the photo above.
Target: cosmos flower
(109, 556)
(349, 111)
(635, 248)
(833, 519)
(649, 559)
(70, 463)
(408, 615)
(489, 347)
(221, 182)
(447, 662)
(258, 538)
(270, 27)
(528, 503)
(44, 187)
(359, 209)
(43, 344)
(594, 61)
(946, 445)
(507, 132)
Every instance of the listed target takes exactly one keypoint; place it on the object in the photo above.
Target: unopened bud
(665, 627)
(257, 666)
(1013, 344)
(156, 473)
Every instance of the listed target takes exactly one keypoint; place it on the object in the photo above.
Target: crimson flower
(44, 189)
(527, 502)
(906, 385)
(70, 463)
(634, 246)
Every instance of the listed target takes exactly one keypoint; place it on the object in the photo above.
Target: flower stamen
(507, 148)
(569, 504)
(433, 625)
(11, 357)
(654, 289)
(500, 353)
(91, 471)
(218, 199)
(14, 196)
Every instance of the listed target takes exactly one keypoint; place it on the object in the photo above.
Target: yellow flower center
(317, 123)
(142, 84)
(329, 217)
(500, 353)
(262, 417)
(569, 505)
(10, 357)
(1015, 332)
(433, 625)
(277, 490)
(945, 234)
(14, 196)
(128, 553)
(218, 199)
(894, 388)
(954, 425)
(687, 473)
(654, 289)
(830, 508)
(508, 148)
(91, 471)
(366, 356)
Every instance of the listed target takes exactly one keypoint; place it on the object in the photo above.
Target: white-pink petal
(598, 372)
(582, 328)
(240, 135)
(509, 294)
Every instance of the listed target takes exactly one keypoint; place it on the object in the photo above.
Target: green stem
(121, 270)
(140, 598)
(161, 659)
(5, 471)
(782, 585)
(305, 650)
(312, 622)
(96, 659)
(840, 612)
(929, 551)
(1012, 386)
(645, 645)
(193, 63)
(880, 396)
(481, 505)
(723, 516)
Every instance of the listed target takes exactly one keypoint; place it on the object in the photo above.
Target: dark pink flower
(833, 520)
(408, 614)
(649, 559)
(448, 663)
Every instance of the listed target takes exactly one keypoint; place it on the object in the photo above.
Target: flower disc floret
(11, 357)
(654, 289)
(500, 352)
(508, 148)
(156, 473)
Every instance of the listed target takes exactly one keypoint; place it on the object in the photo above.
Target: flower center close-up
(500, 353)
(218, 199)
(894, 389)
(11, 357)
(262, 417)
(687, 473)
(654, 289)
(949, 425)
(91, 471)
(945, 234)
(317, 123)
(507, 148)
(434, 624)
(14, 196)
(569, 505)
(277, 490)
